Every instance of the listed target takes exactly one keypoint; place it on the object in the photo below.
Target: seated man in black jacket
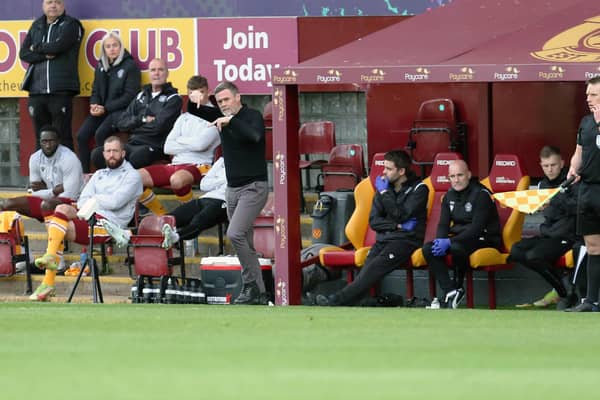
(557, 233)
(468, 221)
(398, 217)
(149, 118)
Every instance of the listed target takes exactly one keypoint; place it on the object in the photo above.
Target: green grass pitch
(121, 351)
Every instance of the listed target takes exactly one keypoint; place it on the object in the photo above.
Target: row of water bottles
(170, 291)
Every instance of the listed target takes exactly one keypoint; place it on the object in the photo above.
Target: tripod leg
(28, 267)
(96, 282)
(76, 283)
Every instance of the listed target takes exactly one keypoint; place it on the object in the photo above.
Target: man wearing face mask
(468, 221)
(114, 189)
(398, 216)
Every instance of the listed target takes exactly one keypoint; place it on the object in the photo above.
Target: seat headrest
(439, 170)
(506, 172)
(376, 167)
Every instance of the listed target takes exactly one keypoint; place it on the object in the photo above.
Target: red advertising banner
(245, 50)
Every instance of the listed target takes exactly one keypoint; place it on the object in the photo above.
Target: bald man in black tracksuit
(468, 221)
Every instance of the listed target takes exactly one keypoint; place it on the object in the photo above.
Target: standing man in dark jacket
(398, 216)
(557, 232)
(117, 80)
(51, 48)
(242, 132)
(149, 118)
(468, 221)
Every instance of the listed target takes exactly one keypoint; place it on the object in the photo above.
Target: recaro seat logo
(506, 163)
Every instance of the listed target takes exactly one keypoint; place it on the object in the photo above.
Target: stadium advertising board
(144, 38)
(246, 50)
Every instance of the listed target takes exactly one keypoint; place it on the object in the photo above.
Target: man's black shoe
(331, 300)
(568, 301)
(249, 294)
(312, 276)
(584, 306)
(454, 297)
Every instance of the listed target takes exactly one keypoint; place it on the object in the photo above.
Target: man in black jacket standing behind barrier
(51, 48)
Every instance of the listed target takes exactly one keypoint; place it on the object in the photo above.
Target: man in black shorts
(585, 166)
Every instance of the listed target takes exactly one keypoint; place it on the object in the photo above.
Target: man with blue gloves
(468, 221)
(398, 217)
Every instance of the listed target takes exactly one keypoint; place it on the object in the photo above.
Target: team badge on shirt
(468, 207)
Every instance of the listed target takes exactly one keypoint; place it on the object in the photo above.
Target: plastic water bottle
(189, 248)
(148, 291)
(435, 304)
(134, 293)
(187, 293)
(83, 258)
(171, 292)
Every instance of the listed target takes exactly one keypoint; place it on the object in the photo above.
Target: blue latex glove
(440, 247)
(382, 184)
(409, 224)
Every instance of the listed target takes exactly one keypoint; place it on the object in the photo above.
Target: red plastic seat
(435, 130)
(149, 259)
(268, 120)
(14, 245)
(316, 137)
(344, 169)
(264, 231)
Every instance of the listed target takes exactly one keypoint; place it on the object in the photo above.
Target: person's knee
(98, 158)
(66, 210)
(236, 236)
(180, 179)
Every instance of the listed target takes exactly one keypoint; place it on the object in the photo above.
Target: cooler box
(222, 278)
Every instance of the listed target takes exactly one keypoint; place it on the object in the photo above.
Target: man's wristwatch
(144, 119)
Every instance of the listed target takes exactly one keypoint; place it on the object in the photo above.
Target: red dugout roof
(467, 41)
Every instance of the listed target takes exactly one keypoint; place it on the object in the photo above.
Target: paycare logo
(289, 76)
(509, 74)
(421, 74)
(333, 76)
(376, 75)
(281, 231)
(278, 104)
(555, 72)
(281, 166)
(464, 74)
(592, 74)
(282, 293)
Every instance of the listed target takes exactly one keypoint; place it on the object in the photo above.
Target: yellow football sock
(57, 228)
(149, 199)
(49, 277)
(186, 197)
